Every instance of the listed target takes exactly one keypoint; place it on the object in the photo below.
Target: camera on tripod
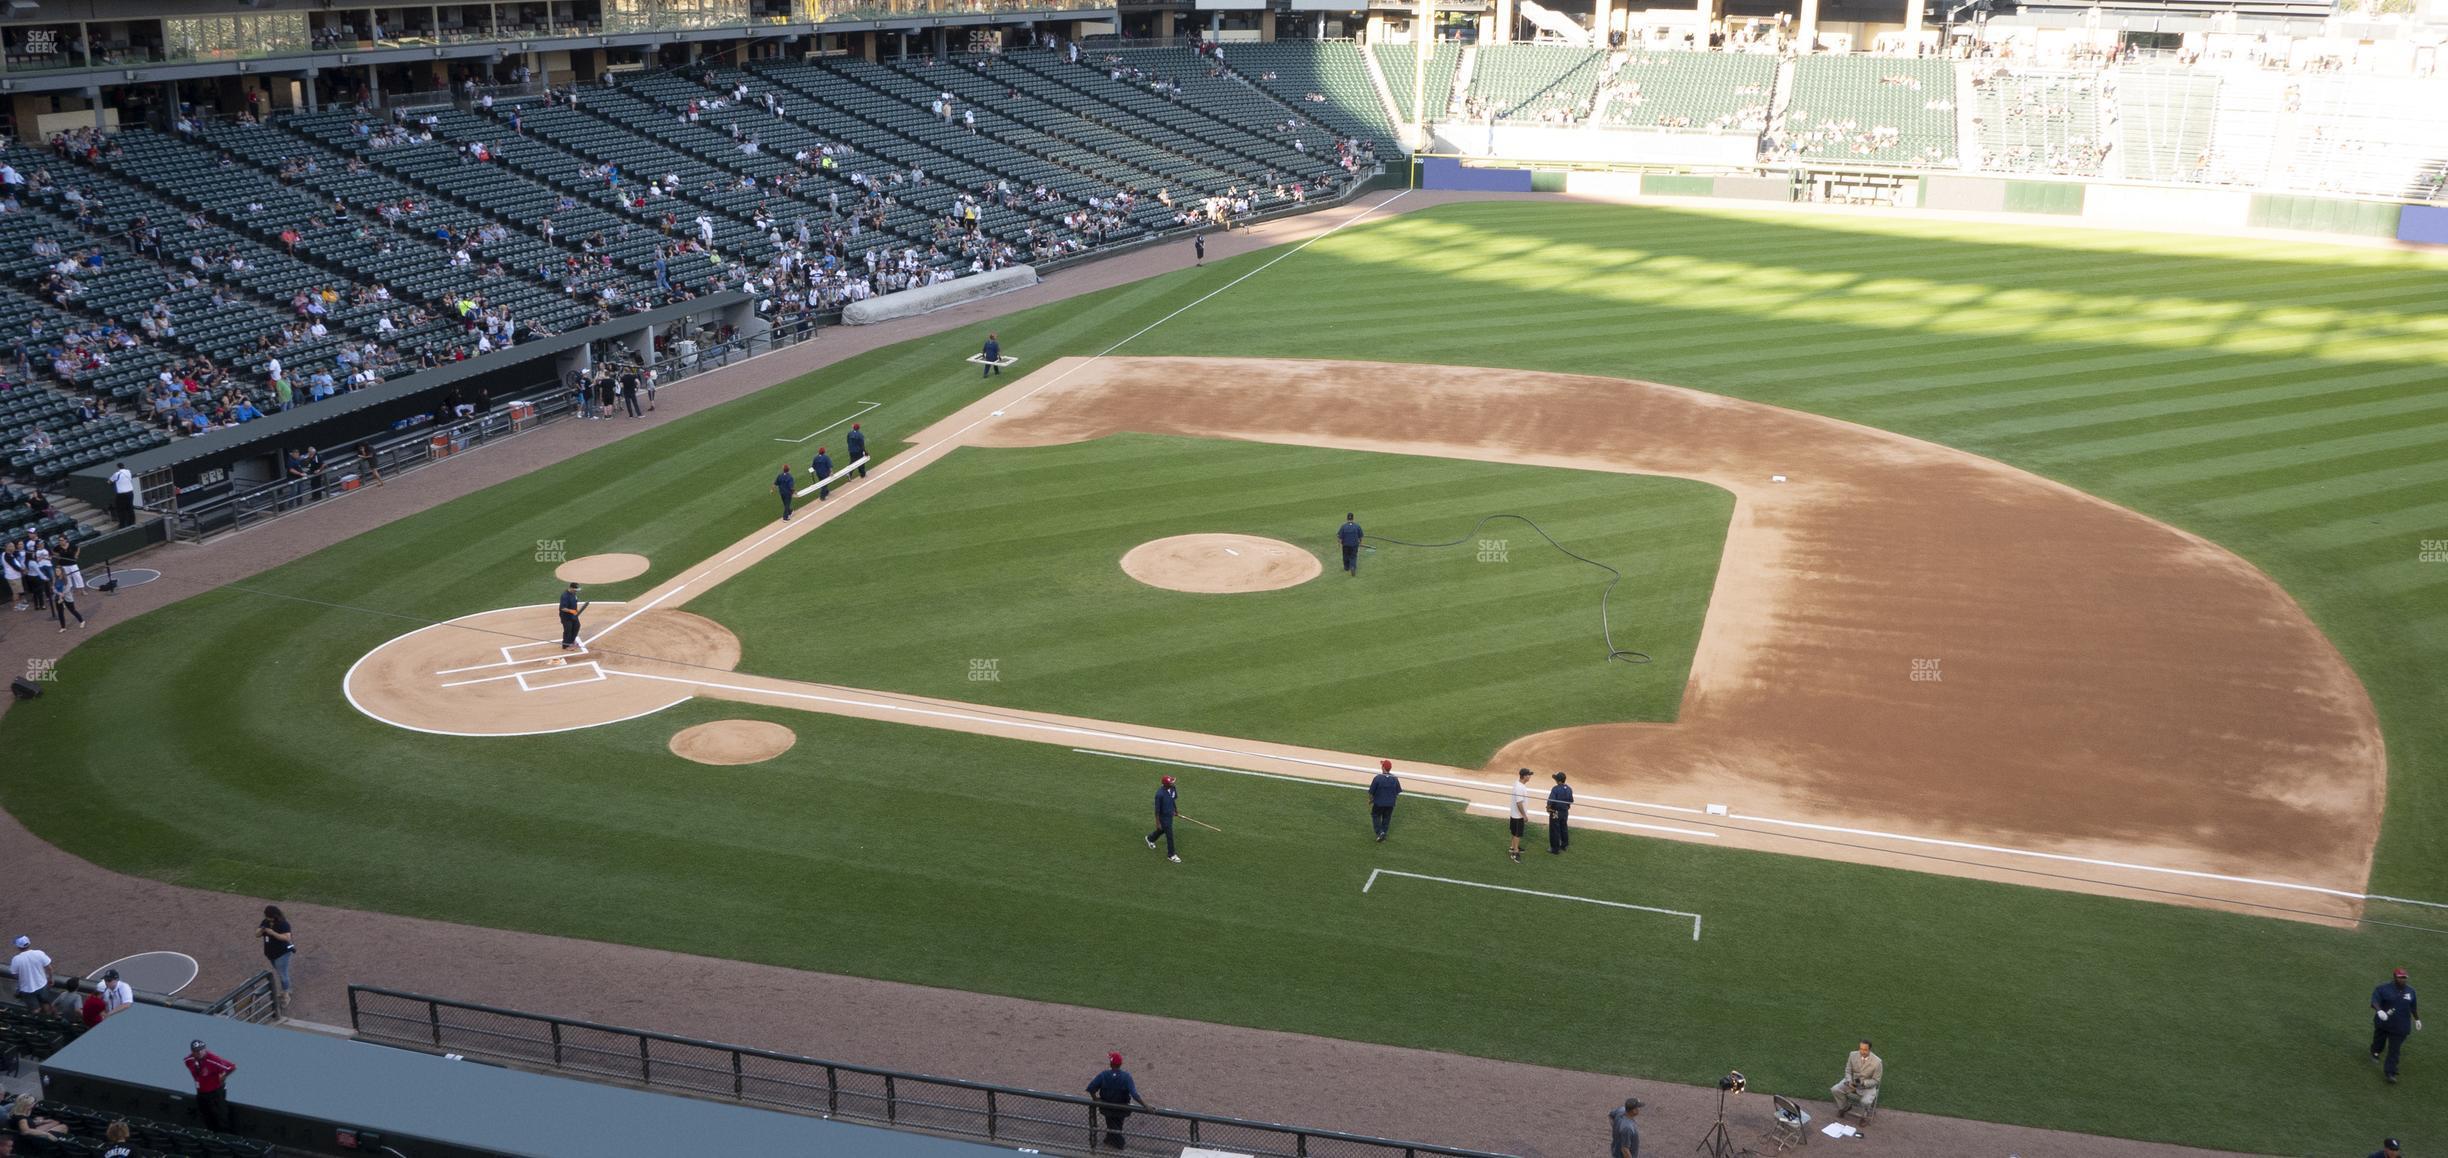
(1716, 1143)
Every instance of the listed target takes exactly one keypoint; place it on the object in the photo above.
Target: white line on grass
(868, 405)
(835, 481)
(1261, 775)
(1375, 873)
(918, 456)
(1484, 808)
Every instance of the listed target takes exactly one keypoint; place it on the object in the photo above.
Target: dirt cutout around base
(601, 569)
(503, 673)
(733, 742)
(1220, 564)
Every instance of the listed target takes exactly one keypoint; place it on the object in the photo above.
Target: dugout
(201, 468)
(305, 1091)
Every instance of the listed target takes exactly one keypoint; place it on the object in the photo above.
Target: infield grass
(994, 576)
(2283, 400)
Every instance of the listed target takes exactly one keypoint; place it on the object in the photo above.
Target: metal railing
(950, 1107)
(255, 1000)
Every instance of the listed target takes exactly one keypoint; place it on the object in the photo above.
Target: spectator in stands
(1113, 1089)
(31, 968)
(123, 496)
(22, 1122)
(211, 1072)
(116, 994)
(115, 1140)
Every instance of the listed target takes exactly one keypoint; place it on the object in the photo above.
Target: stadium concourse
(1390, 1091)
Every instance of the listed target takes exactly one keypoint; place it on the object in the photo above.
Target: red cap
(2401, 975)
(1385, 765)
(1168, 781)
(1113, 1059)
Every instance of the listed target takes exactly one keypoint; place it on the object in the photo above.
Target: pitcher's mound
(1220, 564)
(601, 569)
(733, 742)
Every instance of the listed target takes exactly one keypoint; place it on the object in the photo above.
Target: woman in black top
(278, 945)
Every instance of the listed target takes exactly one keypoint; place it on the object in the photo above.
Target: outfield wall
(2114, 203)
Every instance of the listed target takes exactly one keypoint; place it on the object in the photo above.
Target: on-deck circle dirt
(1220, 564)
(601, 568)
(733, 741)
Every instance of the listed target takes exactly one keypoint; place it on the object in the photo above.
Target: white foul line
(835, 480)
(868, 405)
(1261, 775)
(1487, 808)
(919, 456)
(1375, 873)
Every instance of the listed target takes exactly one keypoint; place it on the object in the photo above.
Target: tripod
(1717, 1143)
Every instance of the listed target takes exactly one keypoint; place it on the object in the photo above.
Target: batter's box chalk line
(1375, 873)
(588, 672)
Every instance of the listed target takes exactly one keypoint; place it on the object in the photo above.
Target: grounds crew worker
(1349, 536)
(1383, 791)
(570, 608)
(1167, 805)
(992, 355)
(789, 487)
(1114, 1089)
(857, 446)
(822, 468)
(2393, 1017)
(1559, 811)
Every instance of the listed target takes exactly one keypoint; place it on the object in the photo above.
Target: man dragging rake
(1168, 807)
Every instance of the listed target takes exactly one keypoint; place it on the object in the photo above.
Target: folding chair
(1789, 1125)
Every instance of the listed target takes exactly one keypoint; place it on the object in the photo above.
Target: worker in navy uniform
(1198, 247)
(789, 487)
(823, 469)
(1383, 790)
(1559, 813)
(570, 610)
(2393, 1017)
(1349, 535)
(991, 355)
(857, 448)
(1113, 1089)
(1168, 804)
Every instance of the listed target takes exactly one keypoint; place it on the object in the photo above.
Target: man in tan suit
(1858, 1092)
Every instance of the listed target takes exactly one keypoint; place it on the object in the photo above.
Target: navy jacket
(857, 442)
(2400, 1006)
(1559, 799)
(1384, 789)
(784, 483)
(823, 466)
(1114, 1087)
(993, 350)
(1349, 534)
(1165, 806)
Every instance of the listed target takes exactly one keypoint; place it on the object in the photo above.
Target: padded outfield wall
(2108, 202)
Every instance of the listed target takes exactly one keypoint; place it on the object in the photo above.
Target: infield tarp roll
(930, 298)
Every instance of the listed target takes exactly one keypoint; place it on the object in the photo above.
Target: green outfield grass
(2283, 400)
(1011, 558)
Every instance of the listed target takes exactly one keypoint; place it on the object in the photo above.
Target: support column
(1708, 20)
(1266, 24)
(1912, 23)
(1164, 25)
(306, 80)
(1504, 22)
(93, 100)
(1600, 17)
(1808, 27)
(373, 87)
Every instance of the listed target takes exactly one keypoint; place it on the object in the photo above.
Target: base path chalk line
(1375, 873)
(934, 450)
(865, 407)
(1264, 775)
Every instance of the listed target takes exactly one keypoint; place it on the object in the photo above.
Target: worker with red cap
(1383, 790)
(2393, 1017)
(1113, 1089)
(1167, 806)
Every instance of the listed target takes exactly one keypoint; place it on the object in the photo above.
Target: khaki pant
(1851, 1100)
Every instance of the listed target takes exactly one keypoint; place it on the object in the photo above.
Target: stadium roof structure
(300, 1088)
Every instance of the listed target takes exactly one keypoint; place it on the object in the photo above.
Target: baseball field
(2056, 615)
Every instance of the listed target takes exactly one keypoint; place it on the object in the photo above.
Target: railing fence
(1005, 1115)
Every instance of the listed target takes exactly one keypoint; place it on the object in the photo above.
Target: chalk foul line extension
(810, 438)
(1375, 873)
